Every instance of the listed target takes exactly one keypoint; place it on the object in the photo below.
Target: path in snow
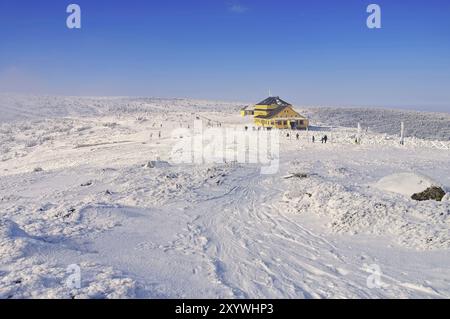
(207, 231)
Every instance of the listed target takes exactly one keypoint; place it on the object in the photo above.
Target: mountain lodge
(273, 112)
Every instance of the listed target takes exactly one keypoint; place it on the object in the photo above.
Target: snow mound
(23, 274)
(31, 279)
(406, 184)
(352, 210)
(9, 229)
(13, 241)
(446, 198)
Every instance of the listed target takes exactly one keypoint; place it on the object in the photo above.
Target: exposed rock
(157, 164)
(297, 175)
(89, 183)
(431, 193)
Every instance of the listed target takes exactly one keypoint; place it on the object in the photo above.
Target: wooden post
(358, 137)
(402, 134)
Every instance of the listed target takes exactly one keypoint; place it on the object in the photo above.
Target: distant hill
(29, 107)
(425, 125)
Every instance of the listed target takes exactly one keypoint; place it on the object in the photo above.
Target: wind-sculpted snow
(25, 274)
(353, 210)
(95, 183)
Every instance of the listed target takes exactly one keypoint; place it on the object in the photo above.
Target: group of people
(324, 139)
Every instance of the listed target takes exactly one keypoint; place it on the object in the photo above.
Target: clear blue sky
(316, 52)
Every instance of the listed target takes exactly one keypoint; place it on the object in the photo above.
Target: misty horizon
(315, 54)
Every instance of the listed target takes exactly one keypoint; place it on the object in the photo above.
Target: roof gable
(274, 100)
(248, 108)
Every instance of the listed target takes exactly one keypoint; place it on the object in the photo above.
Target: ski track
(186, 231)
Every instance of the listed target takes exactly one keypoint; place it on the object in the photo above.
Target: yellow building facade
(247, 111)
(273, 112)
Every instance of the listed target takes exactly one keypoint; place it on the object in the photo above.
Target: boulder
(431, 193)
(157, 164)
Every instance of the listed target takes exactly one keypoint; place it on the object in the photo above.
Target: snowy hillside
(418, 124)
(98, 183)
(28, 107)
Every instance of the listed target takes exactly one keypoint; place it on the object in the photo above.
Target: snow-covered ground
(89, 182)
(425, 125)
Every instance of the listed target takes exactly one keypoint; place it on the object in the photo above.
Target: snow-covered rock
(406, 184)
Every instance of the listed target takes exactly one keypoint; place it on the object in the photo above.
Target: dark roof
(274, 100)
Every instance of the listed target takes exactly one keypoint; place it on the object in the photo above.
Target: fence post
(402, 134)
(358, 137)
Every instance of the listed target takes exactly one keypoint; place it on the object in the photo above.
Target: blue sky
(315, 52)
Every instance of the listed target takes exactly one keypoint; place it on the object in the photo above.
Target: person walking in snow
(313, 139)
(298, 136)
(325, 139)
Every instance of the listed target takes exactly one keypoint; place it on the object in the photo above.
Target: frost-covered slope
(100, 189)
(418, 124)
(30, 107)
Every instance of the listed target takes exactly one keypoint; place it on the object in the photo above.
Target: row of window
(280, 123)
(301, 122)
